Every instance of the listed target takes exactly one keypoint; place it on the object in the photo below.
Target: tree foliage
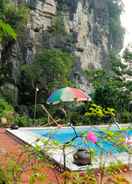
(12, 19)
(58, 24)
(110, 88)
(51, 69)
(16, 15)
(6, 31)
(127, 55)
(6, 112)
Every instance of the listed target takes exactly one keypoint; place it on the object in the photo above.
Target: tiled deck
(10, 146)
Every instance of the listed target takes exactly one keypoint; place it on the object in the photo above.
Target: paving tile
(10, 146)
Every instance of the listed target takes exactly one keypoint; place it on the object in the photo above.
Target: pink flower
(91, 137)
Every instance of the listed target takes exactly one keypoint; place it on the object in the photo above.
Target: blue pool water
(65, 135)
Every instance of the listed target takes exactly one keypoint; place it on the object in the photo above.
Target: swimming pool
(63, 136)
(75, 138)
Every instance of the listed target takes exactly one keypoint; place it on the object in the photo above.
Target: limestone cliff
(86, 34)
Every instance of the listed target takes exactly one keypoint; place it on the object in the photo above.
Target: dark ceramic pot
(82, 157)
(14, 126)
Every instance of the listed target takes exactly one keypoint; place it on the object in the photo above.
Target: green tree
(51, 69)
(110, 90)
(117, 66)
(109, 95)
(127, 55)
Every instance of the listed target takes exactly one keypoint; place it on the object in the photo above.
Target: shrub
(6, 111)
(23, 121)
(58, 24)
(97, 113)
(126, 117)
(6, 31)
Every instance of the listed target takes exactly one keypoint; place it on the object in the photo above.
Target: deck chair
(51, 120)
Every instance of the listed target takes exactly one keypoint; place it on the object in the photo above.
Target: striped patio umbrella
(67, 94)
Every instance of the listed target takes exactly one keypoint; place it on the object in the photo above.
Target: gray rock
(86, 24)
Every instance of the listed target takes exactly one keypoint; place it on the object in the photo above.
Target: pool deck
(56, 154)
(11, 147)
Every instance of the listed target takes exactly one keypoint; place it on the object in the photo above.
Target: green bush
(6, 31)
(6, 110)
(127, 55)
(98, 114)
(76, 119)
(12, 19)
(91, 113)
(126, 117)
(58, 24)
(40, 121)
(23, 121)
(5, 107)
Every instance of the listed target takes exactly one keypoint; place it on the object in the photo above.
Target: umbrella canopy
(67, 94)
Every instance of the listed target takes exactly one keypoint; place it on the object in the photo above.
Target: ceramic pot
(14, 126)
(82, 157)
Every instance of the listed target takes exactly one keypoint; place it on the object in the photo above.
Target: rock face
(25, 48)
(86, 24)
(91, 41)
(86, 20)
(41, 15)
